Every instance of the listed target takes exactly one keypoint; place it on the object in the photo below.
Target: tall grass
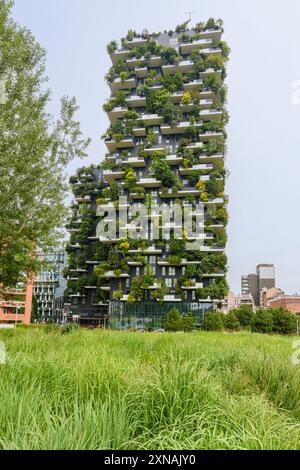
(115, 390)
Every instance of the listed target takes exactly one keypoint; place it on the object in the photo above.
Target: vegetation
(34, 153)
(109, 390)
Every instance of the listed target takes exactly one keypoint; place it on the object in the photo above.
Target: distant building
(266, 295)
(252, 284)
(233, 302)
(289, 302)
(49, 287)
(15, 304)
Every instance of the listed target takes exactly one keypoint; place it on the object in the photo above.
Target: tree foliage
(34, 152)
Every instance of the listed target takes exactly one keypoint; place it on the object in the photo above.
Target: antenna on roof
(190, 13)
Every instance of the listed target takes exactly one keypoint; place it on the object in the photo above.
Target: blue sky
(264, 138)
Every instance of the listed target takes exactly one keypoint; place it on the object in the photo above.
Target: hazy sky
(264, 137)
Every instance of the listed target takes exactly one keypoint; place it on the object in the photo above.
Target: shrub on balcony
(177, 248)
(184, 38)
(150, 139)
(182, 27)
(186, 99)
(162, 171)
(130, 179)
(221, 239)
(171, 113)
(124, 76)
(131, 115)
(131, 35)
(200, 66)
(173, 83)
(160, 293)
(222, 215)
(213, 24)
(112, 47)
(212, 83)
(215, 62)
(169, 56)
(174, 260)
(118, 295)
(215, 187)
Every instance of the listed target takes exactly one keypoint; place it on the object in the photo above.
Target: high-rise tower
(166, 146)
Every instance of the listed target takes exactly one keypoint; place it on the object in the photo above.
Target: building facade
(233, 302)
(253, 284)
(289, 302)
(49, 287)
(15, 304)
(166, 147)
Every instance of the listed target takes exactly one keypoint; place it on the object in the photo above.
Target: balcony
(116, 113)
(194, 85)
(217, 227)
(136, 42)
(135, 162)
(134, 62)
(155, 61)
(119, 84)
(180, 128)
(210, 135)
(121, 54)
(174, 160)
(187, 48)
(111, 176)
(195, 146)
(83, 199)
(151, 251)
(183, 67)
(218, 202)
(217, 73)
(151, 119)
(211, 115)
(113, 145)
(205, 167)
(211, 51)
(210, 158)
(139, 131)
(135, 101)
(171, 194)
(152, 150)
(210, 249)
(112, 275)
(149, 183)
(214, 34)
(214, 275)
(206, 103)
(207, 95)
(194, 286)
(141, 72)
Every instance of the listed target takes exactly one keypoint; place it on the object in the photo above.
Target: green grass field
(111, 390)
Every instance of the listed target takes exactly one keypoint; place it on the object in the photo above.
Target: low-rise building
(266, 295)
(289, 302)
(233, 302)
(15, 304)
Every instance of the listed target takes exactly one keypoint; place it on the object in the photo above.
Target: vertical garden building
(165, 147)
